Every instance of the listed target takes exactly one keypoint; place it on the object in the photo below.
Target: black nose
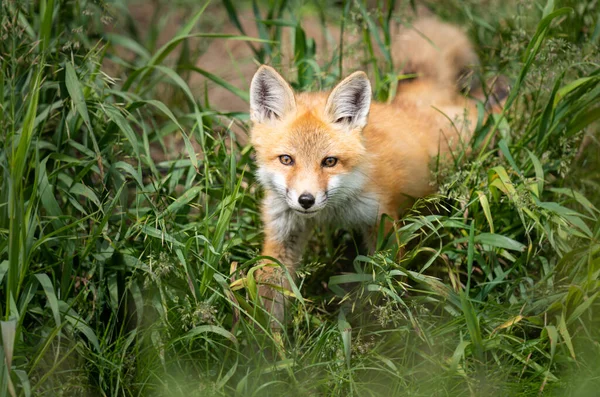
(306, 200)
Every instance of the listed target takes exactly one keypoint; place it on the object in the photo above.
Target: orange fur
(381, 166)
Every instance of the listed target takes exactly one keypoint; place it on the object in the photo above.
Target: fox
(340, 158)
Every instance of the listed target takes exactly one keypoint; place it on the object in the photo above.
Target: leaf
(46, 25)
(585, 203)
(203, 329)
(85, 191)
(47, 197)
(233, 17)
(582, 308)
(539, 172)
(161, 235)
(346, 332)
(167, 48)
(24, 382)
(128, 168)
(472, 325)
(76, 94)
(46, 284)
(181, 201)
(506, 151)
(564, 332)
(79, 324)
(548, 8)
(470, 254)
(176, 78)
(548, 115)
(9, 330)
(350, 278)
(223, 380)
(583, 120)
(130, 44)
(553, 336)
(485, 205)
(459, 353)
(495, 240)
(3, 269)
(573, 85)
(220, 82)
(507, 185)
(570, 215)
(508, 323)
(120, 121)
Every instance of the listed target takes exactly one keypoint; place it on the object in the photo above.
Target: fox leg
(285, 239)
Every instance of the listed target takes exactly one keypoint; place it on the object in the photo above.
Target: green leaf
(9, 330)
(46, 25)
(128, 168)
(506, 151)
(220, 82)
(79, 324)
(350, 278)
(539, 172)
(346, 332)
(161, 235)
(553, 336)
(47, 196)
(472, 325)
(85, 191)
(495, 240)
(470, 255)
(128, 43)
(485, 206)
(564, 332)
(46, 284)
(582, 308)
(203, 329)
(76, 94)
(181, 201)
(125, 128)
(459, 354)
(573, 85)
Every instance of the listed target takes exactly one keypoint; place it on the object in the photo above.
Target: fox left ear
(350, 101)
(271, 97)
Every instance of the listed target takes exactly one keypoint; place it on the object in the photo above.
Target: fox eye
(286, 160)
(329, 162)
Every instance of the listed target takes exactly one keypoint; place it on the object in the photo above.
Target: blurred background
(129, 211)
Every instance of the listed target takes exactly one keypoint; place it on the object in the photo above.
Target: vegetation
(128, 273)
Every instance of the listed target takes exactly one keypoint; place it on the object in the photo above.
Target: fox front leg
(285, 239)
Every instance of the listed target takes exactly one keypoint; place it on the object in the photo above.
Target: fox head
(309, 146)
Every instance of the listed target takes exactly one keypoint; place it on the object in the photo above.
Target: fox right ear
(271, 97)
(350, 101)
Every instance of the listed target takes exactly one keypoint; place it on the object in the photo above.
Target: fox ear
(350, 100)
(271, 97)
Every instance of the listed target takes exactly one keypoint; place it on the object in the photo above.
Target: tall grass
(128, 273)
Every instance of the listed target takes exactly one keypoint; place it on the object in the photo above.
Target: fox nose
(306, 200)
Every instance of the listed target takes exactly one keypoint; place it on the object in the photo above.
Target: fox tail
(439, 52)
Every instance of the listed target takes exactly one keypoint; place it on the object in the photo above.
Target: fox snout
(306, 201)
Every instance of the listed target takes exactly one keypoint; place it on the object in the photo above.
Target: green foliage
(127, 273)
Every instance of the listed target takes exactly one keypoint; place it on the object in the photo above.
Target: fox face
(309, 149)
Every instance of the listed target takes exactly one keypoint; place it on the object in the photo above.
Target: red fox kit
(336, 157)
